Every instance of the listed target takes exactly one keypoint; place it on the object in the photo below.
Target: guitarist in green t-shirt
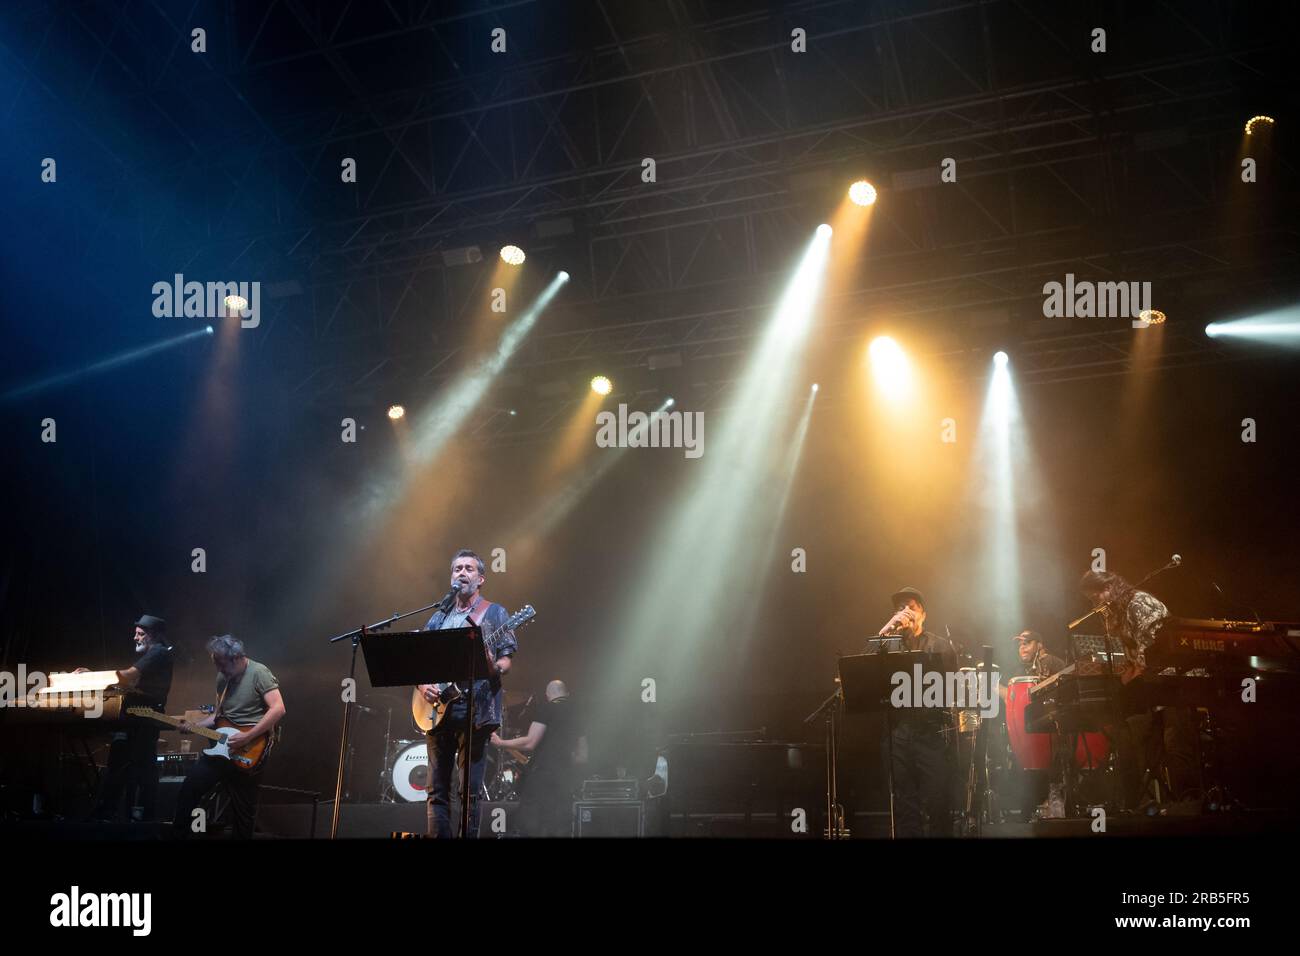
(249, 706)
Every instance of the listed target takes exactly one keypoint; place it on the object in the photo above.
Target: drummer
(1034, 658)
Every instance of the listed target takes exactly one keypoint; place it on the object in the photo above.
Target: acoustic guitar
(429, 716)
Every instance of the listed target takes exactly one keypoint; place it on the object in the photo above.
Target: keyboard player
(1162, 737)
(133, 752)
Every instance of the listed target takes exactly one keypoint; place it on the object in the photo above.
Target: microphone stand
(1101, 607)
(830, 706)
(344, 742)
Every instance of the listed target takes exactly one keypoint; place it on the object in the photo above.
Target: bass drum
(410, 771)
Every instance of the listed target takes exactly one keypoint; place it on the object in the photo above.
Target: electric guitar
(246, 758)
(429, 716)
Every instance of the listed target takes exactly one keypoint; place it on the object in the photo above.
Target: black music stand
(354, 637)
(450, 656)
(866, 681)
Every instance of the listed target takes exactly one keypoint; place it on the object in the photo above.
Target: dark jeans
(923, 769)
(241, 787)
(1163, 742)
(447, 753)
(132, 762)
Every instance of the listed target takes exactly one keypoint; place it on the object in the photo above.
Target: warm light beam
(890, 368)
(459, 399)
(729, 507)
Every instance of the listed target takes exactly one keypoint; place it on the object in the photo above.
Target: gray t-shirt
(455, 618)
(243, 702)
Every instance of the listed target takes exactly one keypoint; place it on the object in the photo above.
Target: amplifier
(607, 818)
(172, 767)
(597, 789)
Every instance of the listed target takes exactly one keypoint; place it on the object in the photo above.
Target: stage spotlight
(669, 403)
(513, 413)
(1151, 316)
(862, 193)
(815, 386)
(889, 366)
(209, 330)
(235, 305)
(396, 411)
(512, 255)
(1256, 122)
(601, 385)
(824, 231)
(1000, 358)
(564, 276)
(1279, 327)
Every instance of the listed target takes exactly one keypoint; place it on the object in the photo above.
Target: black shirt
(1044, 665)
(552, 767)
(929, 643)
(155, 667)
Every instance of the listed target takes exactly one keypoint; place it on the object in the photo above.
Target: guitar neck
(173, 721)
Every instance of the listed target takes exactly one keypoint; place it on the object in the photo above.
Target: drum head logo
(410, 773)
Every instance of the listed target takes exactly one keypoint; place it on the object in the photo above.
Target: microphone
(901, 627)
(1176, 560)
(445, 604)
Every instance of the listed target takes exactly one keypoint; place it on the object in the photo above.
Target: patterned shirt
(489, 698)
(1135, 624)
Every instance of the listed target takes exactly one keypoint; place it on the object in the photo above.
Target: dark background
(226, 168)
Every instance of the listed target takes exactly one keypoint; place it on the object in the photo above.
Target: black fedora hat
(154, 625)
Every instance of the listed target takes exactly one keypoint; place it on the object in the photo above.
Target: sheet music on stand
(885, 645)
(1092, 647)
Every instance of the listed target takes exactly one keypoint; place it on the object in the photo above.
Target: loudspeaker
(609, 819)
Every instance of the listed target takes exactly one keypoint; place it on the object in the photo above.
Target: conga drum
(1033, 751)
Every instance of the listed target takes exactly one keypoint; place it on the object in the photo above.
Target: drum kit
(406, 774)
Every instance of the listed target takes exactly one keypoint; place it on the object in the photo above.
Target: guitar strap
(221, 701)
(479, 611)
